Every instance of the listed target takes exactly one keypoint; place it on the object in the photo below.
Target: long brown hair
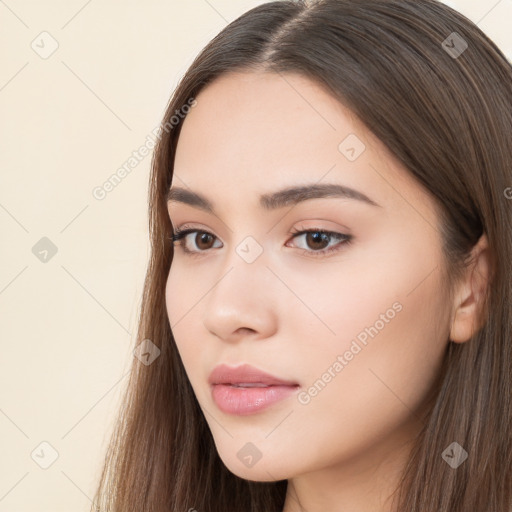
(447, 118)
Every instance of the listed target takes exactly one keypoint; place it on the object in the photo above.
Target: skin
(292, 314)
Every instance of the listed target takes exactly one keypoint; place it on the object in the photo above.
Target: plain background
(68, 122)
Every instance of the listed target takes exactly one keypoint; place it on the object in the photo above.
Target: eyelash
(180, 234)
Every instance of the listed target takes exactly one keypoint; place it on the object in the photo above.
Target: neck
(364, 483)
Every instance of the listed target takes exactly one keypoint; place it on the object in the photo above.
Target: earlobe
(469, 304)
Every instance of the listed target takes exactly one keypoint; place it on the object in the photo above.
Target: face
(339, 294)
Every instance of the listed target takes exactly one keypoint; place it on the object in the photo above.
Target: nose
(242, 303)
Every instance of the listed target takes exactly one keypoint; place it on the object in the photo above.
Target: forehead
(261, 125)
(240, 110)
(259, 132)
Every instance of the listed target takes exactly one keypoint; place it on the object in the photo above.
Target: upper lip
(223, 374)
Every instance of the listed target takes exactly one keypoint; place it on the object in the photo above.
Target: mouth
(245, 376)
(244, 389)
(251, 398)
(249, 385)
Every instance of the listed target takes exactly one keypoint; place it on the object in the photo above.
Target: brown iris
(203, 238)
(317, 237)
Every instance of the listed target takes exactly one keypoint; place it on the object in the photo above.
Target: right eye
(201, 239)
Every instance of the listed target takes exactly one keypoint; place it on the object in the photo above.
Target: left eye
(317, 239)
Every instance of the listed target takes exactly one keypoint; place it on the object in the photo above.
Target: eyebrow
(275, 200)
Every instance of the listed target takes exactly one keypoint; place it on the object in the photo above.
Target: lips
(245, 376)
(246, 390)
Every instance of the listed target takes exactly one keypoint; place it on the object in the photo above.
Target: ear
(469, 297)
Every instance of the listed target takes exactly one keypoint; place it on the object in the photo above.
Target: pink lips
(246, 390)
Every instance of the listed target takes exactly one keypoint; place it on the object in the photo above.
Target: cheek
(183, 292)
(181, 296)
(390, 322)
(358, 297)
(174, 288)
(348, 404)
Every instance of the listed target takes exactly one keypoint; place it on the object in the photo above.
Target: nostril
(245, 330)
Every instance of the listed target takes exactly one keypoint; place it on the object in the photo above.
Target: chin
(261, 471)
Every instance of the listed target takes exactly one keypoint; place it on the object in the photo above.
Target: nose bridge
(246, 260)
(241, 296)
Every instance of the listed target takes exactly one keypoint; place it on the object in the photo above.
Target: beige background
(68, 122)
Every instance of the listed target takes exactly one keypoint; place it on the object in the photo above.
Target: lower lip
(243, 401)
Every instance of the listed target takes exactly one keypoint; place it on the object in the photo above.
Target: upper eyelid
(340, 229)
(296, 231)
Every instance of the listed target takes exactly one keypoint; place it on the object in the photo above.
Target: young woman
(326, 319)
